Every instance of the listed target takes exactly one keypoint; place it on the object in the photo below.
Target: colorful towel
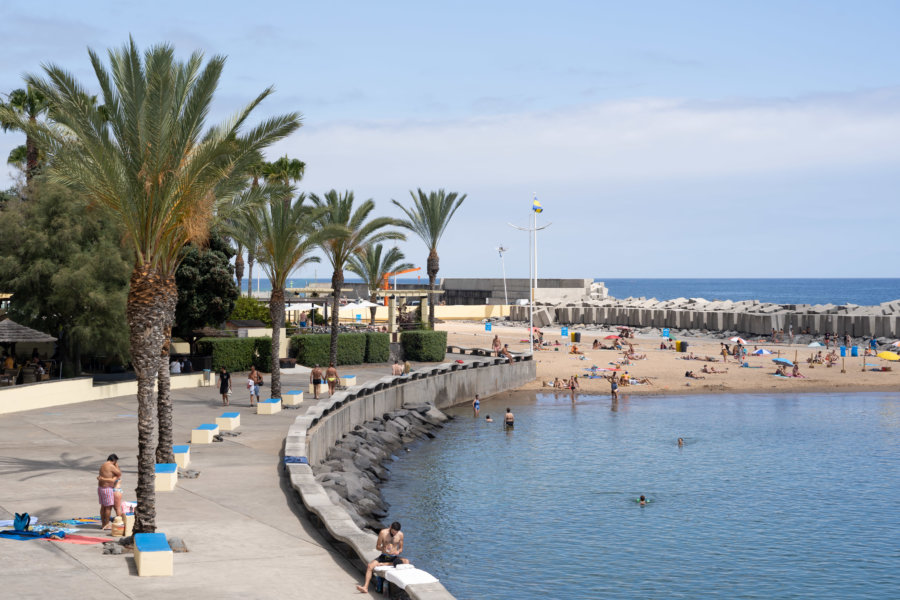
(82, 539)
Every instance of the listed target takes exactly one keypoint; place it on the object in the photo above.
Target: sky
(663, 139)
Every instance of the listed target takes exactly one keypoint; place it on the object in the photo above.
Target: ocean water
(788, 496)
(781, 291)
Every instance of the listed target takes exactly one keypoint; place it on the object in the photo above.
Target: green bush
(248, 309)
(378, 347)
(424, 346)
(315, 349)
(235, 354)
(262, 353)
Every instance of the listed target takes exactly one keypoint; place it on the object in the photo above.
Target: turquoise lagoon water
(788, 496)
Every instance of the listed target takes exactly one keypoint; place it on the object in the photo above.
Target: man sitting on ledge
(390, 544)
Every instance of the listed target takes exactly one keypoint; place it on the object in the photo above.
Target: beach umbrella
(783, 361)
(888, 355)
(815, 345)
(762, 352)
(611, 337)
(738, 340)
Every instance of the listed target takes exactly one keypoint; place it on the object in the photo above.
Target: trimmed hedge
(315, 349)
(424, 345)
(238, 354)
(378, 347)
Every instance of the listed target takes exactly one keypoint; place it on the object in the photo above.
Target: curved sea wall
(313, 434)
(746, 316)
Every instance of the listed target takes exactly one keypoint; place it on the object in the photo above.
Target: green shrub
(248, 309)
(262, 353)
(424, 346)
(235, 354)
(315, 348)
(378, 347)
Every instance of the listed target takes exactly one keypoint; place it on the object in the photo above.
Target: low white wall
(45, 394)
(313, 434)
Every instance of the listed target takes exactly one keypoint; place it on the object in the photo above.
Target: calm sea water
(782, 291)
(792, 496)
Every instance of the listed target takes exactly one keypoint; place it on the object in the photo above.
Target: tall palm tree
(286, 242)
(150, 159)
(284, 170)
(372, 265)
(428, 218)
(255, 171)
(344, 233)
(27, 105)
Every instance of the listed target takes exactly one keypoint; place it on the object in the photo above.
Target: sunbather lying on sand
(692, 375)
(708, 369)
(632, 356)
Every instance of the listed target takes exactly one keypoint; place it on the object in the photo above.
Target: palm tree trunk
(373, 309)
(250, 260)
(433, 265)
(147, 319)
(31, 159)
(276, 309)
(164, 453)
(239, 265)
(337, 280)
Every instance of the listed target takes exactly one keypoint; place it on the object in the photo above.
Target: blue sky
(664, 139)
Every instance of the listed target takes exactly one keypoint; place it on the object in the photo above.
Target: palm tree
(345, 233)
(25, 105)
(286, 241)
(284, 170)
(149, 158)
(428, 218)
(372, 268)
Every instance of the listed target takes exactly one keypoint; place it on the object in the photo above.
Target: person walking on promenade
(256, 378)
(107, 482)
(224, 385)
(476, 405)
(390, 544)
(315, 378)
(331, 376)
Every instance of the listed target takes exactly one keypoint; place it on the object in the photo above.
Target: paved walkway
(246, 533)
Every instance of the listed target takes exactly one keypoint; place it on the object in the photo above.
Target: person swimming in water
(680, 442)
(643, 501)
(488, 419)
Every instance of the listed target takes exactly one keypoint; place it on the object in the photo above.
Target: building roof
(12, 332)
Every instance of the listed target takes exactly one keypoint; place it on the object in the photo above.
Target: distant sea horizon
(843, 290)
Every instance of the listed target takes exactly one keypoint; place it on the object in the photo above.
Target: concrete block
(348, 380)
(229, 421)
(182, 455)
(204, 433)
(166, 477)
(293, 398)
(268, 407)
(152, 555)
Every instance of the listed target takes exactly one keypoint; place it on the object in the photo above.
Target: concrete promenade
(246, 533)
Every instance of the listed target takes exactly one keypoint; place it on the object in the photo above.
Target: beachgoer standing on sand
(476, 405)
(331, 376)
(107, 482)
(315, 378)
(509, 419)
(224, 385)
(390, 544)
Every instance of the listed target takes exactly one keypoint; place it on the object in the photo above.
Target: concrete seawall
(313, 434)
(747, 316)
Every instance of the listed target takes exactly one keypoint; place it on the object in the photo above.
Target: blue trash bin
(854, 351)
(843, 350)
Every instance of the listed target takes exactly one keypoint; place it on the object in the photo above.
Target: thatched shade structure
(11, 333)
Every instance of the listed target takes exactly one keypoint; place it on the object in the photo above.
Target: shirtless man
(107, 485)
(509, 419)
(315, 378)
(390, 544)
(331, 376)
(397, 368)
(496, 345)
(506, 354)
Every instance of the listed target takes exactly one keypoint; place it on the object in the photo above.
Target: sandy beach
(666, 368)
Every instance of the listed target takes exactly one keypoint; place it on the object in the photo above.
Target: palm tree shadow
(16, 465)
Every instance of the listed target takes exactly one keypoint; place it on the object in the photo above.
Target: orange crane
(386, 284)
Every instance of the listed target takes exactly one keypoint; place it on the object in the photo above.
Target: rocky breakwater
(355, 466)
(750, 317)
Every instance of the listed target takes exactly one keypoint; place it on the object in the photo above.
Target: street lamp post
(532, 266)
(500, 251)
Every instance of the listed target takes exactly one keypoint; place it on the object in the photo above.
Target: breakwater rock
(746, 316)
(355, 466)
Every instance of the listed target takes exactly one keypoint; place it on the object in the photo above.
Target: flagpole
(532, 266)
